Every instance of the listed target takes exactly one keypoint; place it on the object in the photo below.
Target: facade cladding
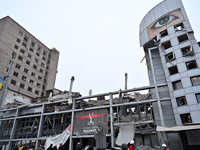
(35, 67)
(173, 57)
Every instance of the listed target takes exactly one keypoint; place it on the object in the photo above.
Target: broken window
(173, 70)
(25, 38)
(13, 82)
(25, 70)
(29, 89)
(36, 92)
(38, 85)
(166, 45)
(21, 86)
(18, 40)
(163, 33)
(5, 130)
(20, 57)
(170, 56)
(32, 43)
(16, 47)
(198, 97)
(18, 66)
(29, 55)
(177, 85)
(24, 78)
(181, 101)
(28, 62)
(179, 27)
(191, 64)
(187, 51)
(33, 74)
(31, 81)
(186, 118)
(24, 44)
(182, 38)
(195, 80)
(31, 49)
(16, 74)
(35, 67)
(22, 51)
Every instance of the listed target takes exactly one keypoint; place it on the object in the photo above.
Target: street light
(5, 85)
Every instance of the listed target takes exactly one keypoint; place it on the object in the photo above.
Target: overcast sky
(98, 40)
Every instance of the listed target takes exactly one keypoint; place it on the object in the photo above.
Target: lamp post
(5, 85)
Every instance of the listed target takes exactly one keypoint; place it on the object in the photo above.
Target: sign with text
(87, 122)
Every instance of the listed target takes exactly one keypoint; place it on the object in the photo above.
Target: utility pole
(5, 84)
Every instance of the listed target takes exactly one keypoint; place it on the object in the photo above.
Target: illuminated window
(181, 101)
(177, 85)
(195, 80)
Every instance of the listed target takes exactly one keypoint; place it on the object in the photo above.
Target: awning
(177, 128)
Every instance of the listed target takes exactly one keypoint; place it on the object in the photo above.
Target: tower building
(173, 58)
(35, 67)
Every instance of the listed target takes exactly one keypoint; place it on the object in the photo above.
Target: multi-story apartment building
(35, 67)
(173, 57)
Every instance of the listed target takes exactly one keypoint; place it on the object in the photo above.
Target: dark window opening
(181, 101)
(31, 49)
(29, 55)
(15, 74)
(24, 78)
(187, 51)
(41, 70)
(21, 85)
(183, 38)
(186, 118)
(43, 58)
(34, 66)
(198, 97)
(47, 67)
(167, 45)
(18, 66)
(39, 77)
(38, 85)
(169, 57)
(20, 58)
(163, 33)
(20, 33)
(39, 48)
(36, 92)
(43, 87)
(45, 80)
(195, 80)
(24, 44)
(44, 53)
(18, 40)
(16, 47)
(37, 54)
(42, 64)
(173, 70)
(29, 89)
(28, 62)
(177, 85)
(31, 81)
(25, 38)
(13, 82)
(179, 27)
(191, 64)
(32, 44)
(22, 51)
(25, 70)
(36, 60)
(33, 74)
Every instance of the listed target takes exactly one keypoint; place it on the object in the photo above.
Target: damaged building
(169, 113)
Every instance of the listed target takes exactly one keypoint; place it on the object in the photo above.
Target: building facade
(35, 66)
(173, 57)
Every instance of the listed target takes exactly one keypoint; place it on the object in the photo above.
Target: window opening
(186, 118)
(36, 92)
(38, 85)
(179, 27)
(23, 44)
(42, 64)
(20, 58)
(195, 80)
(39, 77)
(32, 43)
(34, 66)
(18, 40)
(166, 45)
(198, 97)
(182, 38)
(41, 70)
(21, 85)
(24, 78)
(163, 33)
(16, 74)
(31, 81)
(39, 48)
(33, 74)
(29, 55)
(20, 33)
(43, 58)
(37, 54)
(28, 62)
(18, 66)
(25, 38)
(36, 60)
(13, 82)
(22, 51)
(173, 70)
(44, 53)
(177, 85)
(29, 89)
(31, 49)
(170, 56)
(181, 101)
(191, 64)
(187, 51)
(16, 47)
(25, 70)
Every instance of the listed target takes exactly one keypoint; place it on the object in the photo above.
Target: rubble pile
(15, 104)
